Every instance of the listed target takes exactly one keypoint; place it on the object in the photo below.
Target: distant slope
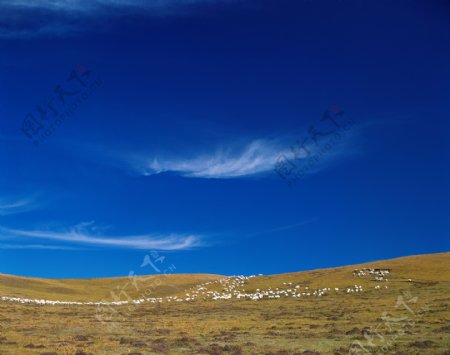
(107, 289)
(421, 269)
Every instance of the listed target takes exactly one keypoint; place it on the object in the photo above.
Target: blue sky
(181, 125)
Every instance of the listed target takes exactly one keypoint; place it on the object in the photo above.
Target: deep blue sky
(174, 151)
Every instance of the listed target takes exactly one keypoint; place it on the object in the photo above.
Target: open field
(96, 289)
(358, 314)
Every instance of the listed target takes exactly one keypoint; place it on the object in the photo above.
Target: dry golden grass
(97, 289)
(406, 318)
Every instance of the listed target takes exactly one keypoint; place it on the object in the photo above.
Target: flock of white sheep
(379, 274)
(223, 289)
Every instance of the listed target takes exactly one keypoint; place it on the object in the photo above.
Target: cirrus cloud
(13, 206)
(258, 156)
(34, 18)
(79, 234)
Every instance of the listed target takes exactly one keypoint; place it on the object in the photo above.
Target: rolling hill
(399, 306)
(419, 268)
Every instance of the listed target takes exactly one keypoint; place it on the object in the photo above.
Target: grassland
(410, 316)
(98, 289)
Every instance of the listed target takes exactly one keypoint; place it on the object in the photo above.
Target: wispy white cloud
(33, 18)
(92, 5)
(229, 159)
(257, 157)
(235, 160)
(80, 234)
(12, 206)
